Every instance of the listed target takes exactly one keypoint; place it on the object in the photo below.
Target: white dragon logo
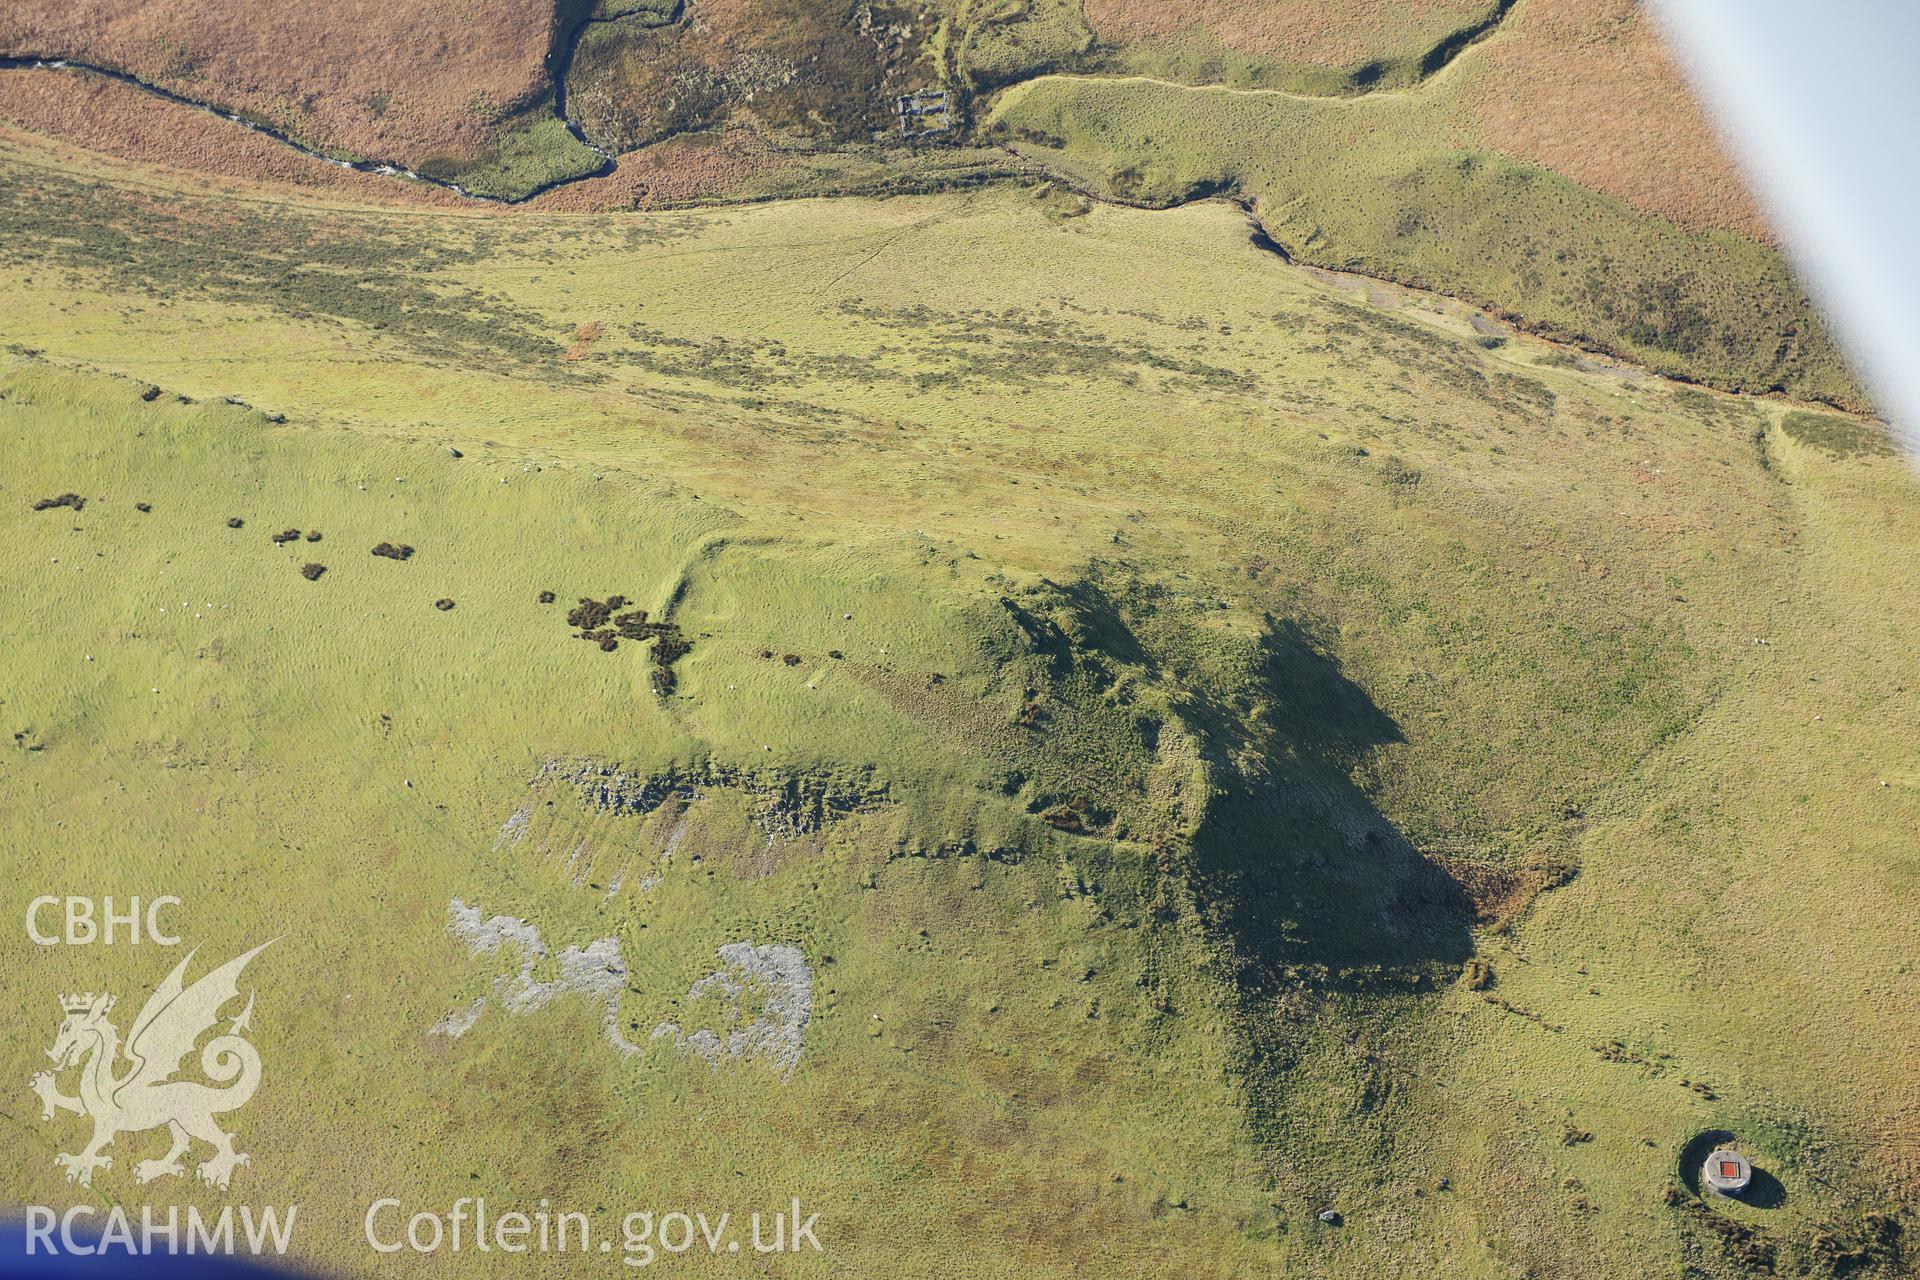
(144, 1096)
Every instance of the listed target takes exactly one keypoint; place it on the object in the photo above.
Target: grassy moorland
(1541, 161)
(1325, 50)
(1383, 185)
(1254, 741)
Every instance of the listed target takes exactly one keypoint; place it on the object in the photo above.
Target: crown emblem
(82, 1003)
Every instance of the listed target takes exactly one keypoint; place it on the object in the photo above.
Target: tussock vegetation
(313, 264)
(1837, 437)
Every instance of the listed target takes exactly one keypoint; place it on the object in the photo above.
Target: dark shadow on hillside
(1294, 864)
(1329, 923)
(1330, 927)
(1334, 921)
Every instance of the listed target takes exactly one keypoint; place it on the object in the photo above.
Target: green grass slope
(535, 152)
(1201, 670)
(1391, 186)
(1309, 49)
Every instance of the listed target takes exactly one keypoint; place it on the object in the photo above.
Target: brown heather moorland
(1304, 31)
(400, 82)
(115, 119)
(1586, 88)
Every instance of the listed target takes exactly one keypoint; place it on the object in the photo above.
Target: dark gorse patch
(600, 622)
